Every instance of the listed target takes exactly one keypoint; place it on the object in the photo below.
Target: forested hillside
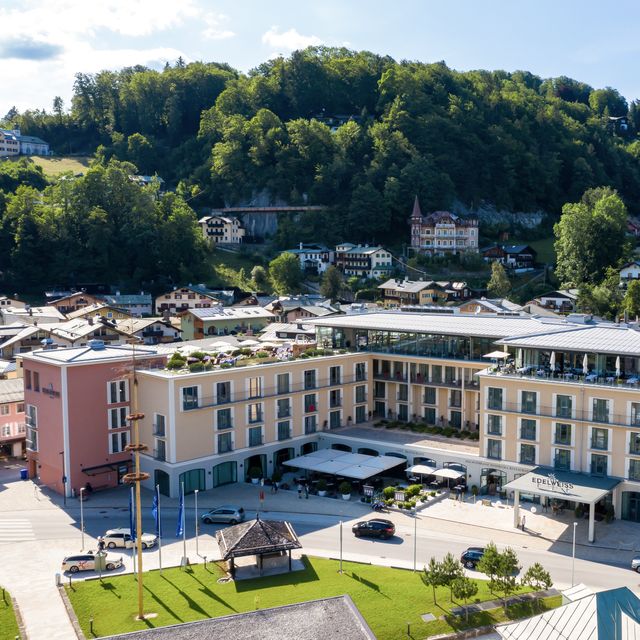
(358, 132)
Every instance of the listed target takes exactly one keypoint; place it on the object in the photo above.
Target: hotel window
(494, 449)
(334, 375)
(449, 374)
(455, 419)
(310, 379)
(361, 414)
(528, 401)
(20, 407)
(335, 419)
(6, 430)
(118, 418)
(118, 441)
(379, 389)
(494, 425)
(527, 454)
(189, 398)
(635, 414)
(430, 415)
(403, 412)
(36, 381)
(4, 410)
(527, 429)
(429, 395)
(255, 436)
(225, 442)
(159, 429)
(562, 434)
(310, 403)
(160, 450)
(455, 398)
(634, 469)
(223, 392)
(600, 410)
(634, 443)
(118, 391)
(335, 399)
(224, 419)
(361, 393)
(598, 465)
(284, 430)
(255, 387)
(403, 392)
(284, 408)
(27, 379)
(494, 399)
(599, 439)
(436, 373)
(255, 412)
(361, 371)
(282, 383)
(562, 460)
(564, 406)
(310, 424)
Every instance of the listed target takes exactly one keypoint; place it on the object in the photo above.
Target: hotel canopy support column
(578, 488)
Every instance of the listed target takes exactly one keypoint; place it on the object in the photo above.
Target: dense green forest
(357, 132)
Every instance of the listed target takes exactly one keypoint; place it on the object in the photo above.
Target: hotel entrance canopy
(358, 466)
(563, 485)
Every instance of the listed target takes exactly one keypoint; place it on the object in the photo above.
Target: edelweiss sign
(551, 483)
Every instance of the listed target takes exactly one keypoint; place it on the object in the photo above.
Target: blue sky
(43, 43)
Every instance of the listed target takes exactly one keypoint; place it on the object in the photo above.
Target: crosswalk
(15, 530)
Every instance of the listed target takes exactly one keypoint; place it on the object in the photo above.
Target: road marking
(16, 530)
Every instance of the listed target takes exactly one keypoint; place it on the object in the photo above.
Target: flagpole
(132, 531)
(184, 529)
(159, 529)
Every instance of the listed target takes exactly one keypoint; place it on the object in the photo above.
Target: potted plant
(322, 487)
(345, 490)
(255, 473)
(276, 476)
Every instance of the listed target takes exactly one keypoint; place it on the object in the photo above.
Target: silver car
(87, 562)
(635, 564)
(121, 537)
(227, 513)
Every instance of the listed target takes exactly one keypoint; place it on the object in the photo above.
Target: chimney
(90, 320)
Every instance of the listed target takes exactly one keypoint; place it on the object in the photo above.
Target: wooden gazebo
(257, 538)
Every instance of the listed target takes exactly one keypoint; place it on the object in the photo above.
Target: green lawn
(545, 249)
(387, 598)
(8, 624)
(55, 165)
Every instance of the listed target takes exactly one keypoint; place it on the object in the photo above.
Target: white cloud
(289, 40)
(216, 26)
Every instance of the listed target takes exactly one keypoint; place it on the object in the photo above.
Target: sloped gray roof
(256, 536)
(11, 390)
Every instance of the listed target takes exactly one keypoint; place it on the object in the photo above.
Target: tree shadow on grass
(308, 574)
(190, 601)
(110, 588)
(367, 583)
(214, 596)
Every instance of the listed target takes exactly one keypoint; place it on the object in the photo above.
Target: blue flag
(180, 527)
(155, 511)
(132, 516)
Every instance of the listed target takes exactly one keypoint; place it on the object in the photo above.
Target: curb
(19, 620)
(71, 613)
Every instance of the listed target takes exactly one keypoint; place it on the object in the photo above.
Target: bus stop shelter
(561, 485)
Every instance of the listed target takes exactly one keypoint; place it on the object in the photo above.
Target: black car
(375, 528)
(471, 557)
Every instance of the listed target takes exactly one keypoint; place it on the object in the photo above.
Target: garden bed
(422, 427)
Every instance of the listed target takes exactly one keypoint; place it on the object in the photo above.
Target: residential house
(314, 258)
(288, 332)
(73, 301)
(135, 304)
(633, 227)
(100, 309)
(145, 181)
(561, 300)
(76, 403)
(30, 315)
(150, 330)
(198, 323)
(12, 425)
(290, 310)
(399, 293)
(5, 301)
(189, 297)
(363, 261)
(9, 144)
(629, 271)
(27, 145)
(442, 232)
(520, 257)
(492, 306)
(222, 229)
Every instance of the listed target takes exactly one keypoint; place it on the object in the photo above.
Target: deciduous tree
(464, 588)
(285, 273)
(499, 284)
(332, 283)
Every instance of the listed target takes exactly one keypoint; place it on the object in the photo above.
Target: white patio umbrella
(618, 367)
(552, 361)
(585, 364)
(496, 355)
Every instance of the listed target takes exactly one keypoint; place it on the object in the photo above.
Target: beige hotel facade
(565, 401)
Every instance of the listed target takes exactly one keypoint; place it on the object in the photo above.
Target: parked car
(375, 528)
(87, 562)
(121, 537)
(635, 564)
(227, 513)
(471, 557)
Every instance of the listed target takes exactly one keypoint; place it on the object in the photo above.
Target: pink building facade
(76, 404)
(12, 425)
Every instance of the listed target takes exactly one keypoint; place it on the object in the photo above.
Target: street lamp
(415, 537)
(196, 508)
(64, 481)
(573, 554)
(82, 515)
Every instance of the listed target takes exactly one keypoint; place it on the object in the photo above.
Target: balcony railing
(451, 384)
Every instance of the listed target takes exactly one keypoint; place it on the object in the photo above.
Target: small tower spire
(416, 213)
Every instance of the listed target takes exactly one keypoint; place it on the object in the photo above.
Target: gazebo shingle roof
(256, 537)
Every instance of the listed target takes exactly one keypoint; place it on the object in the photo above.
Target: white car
(121, 537)
(635, 564)
(87, 562)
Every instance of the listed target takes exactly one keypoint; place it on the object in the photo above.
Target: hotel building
(563, 400)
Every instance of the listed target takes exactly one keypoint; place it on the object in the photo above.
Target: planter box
(346, 496)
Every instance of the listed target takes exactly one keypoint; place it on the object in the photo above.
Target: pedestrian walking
(299, 490)
(306, 491)
(523, 522)
(100, 544)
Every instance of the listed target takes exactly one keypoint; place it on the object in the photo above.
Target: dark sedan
(376, 528)
(471, 557)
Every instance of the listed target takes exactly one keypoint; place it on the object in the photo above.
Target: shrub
(321, 485)
(226, 365)
(345, 488)
(413, 490)
(262, 354)
(578, 511)
(447, 431)
(243, 352)
(474, 490)
(255, 472)
(199, 355)
(177, 361)
(389, 492)
(432, 494)
(194, 367)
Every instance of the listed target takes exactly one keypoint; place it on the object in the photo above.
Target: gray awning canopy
(358, 466)
(563, 485)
